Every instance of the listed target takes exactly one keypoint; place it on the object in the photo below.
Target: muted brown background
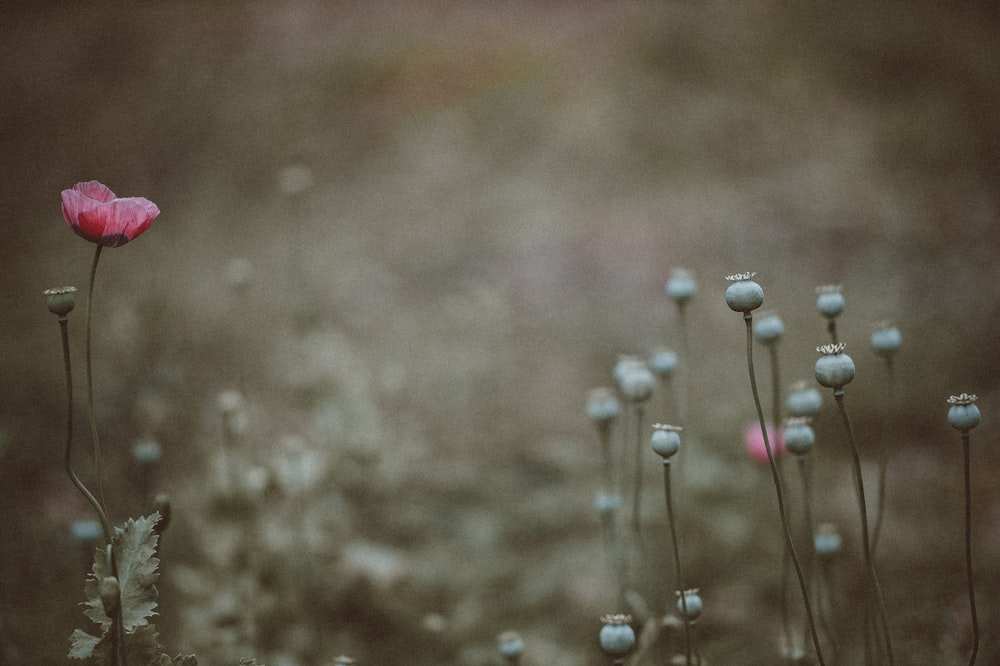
(493, 195)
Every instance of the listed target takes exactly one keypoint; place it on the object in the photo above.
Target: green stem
(747, 317)
(90, 381)
(775, 421)
(105, 525)
(677, 559)
(685, 359)
(637, 497)
(838, 394)
(968, 550)
(807, 516)
(883, 453)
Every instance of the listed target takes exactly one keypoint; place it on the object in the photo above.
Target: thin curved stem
(747, 317)
(90, 381)
(677, 560)
(838, 394)
(685, 389)
(968, 550)
(637, 496)
(105, 525)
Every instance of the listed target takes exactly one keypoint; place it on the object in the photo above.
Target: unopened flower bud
(110, 593)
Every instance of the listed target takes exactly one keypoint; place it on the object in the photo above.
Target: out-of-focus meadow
(415, 235)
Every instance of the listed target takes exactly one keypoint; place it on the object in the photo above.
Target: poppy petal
(93, 189)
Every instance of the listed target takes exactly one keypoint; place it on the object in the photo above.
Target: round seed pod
(510, 644)
(963, 414)
(637, 382)
(693, 601)
(60, 300)
(663, 363)
(834, 368)
(617, 636)
(886, 340)
(602, 406)
(768, 328)
(803, 400)
(744, 295)
(666, 440)
(829, 300)
(799, 436)
(681, 286)
(827, 541)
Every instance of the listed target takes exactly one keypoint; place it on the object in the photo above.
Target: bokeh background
(413, 236)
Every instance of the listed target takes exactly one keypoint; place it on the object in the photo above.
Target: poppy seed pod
(666, 440)
(744, 295)
(681, 286)
(602, 406)
(963, 414)
(768, 328)
(803, 400)
(827, 541)
(60, 300)
(636, 382)
(663, 363)
(799, 435)
(834, 368)
(829, 300)
(510, 644)
(886, 340)
(693, 602)
(617, 636)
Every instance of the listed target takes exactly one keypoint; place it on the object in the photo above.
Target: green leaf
(134, 548)
(82, 645)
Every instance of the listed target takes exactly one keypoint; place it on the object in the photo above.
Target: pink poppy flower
(94, 212)
(755, 442)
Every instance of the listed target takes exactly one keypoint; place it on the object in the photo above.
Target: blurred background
(413, 237)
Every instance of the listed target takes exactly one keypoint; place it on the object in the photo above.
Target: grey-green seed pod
(602, 406)
(663, 362)
(963, 414)
(886, 340)
(511, 645)
(681, 286)
(636, 382)
(60, 300)
(617, 636)
(768, 328)
(799, 436)
(607, 503)
(827, 541)
(829, 300)
(834, 368)
(666, 440)
(744, 295)
(693, 601)
(803, 400)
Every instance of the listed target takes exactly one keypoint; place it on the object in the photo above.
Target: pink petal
(755, 442)
(75, 202)
(115, 223)
(95, 190)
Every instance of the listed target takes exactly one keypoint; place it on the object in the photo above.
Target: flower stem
(105, 525)
(747, 317)
(968, 550)
(775, 420)
(90, 381)
(838, 394)
(637, 497)
(677, 559)
(883, 454)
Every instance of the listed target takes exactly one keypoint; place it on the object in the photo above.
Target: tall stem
(105, 525)
(637, 497)
(968, 550)
(677, 560)
(883, 453)
(685, 389)
(838, 394)
(747, 317)
(90, 381)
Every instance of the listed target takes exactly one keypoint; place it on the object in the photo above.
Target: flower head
(754, 440)
(829, 300)
(834, 368)
(96, 214)
(617, 636)
(666, 440)
(690, 604)
(885, 339)
(681, 286)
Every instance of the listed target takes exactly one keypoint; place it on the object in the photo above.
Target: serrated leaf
(82, 644)
(142, 646)
(134, 548)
